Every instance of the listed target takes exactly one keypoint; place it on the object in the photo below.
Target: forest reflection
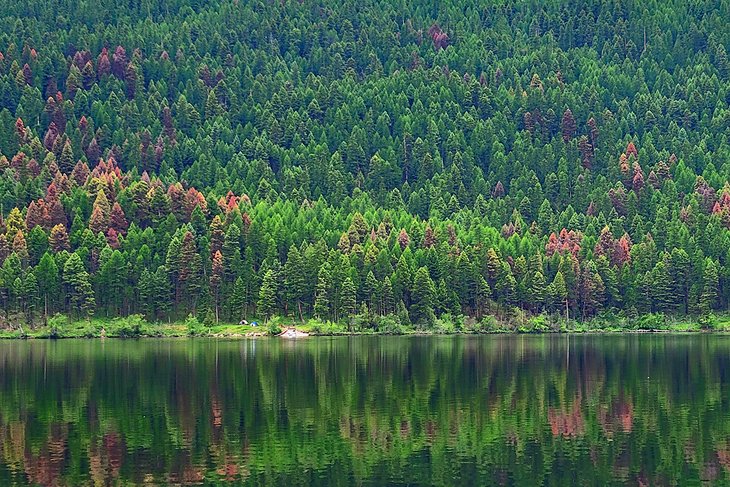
(511, 410)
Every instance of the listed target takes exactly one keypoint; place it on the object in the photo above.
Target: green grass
(136, 326)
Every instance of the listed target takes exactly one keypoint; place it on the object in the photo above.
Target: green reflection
(507, 410)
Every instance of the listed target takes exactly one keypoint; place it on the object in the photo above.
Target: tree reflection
(645, 409)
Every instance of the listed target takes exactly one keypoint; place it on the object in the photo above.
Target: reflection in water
(515, 410)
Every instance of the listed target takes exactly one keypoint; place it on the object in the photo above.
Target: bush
(444, 325)
(56, 325)
(537, 324)
(607, 319)
(133, 326)
(318, 327)
(652, 321)
(708, 322)
(390, 324)
(195, 327)
(449, 323)
(488, 324)
(273, 327)
(89, 331)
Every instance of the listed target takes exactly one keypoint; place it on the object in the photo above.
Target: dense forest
(364, 162)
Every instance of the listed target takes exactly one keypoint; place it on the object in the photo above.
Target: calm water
(516, 410)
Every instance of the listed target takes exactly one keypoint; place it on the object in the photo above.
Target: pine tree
(163, 294)
(267, 295)
(14, 223)
(238, 299)
(117, 219)
(146, 290)
(217, 235)
(422, 298)
(348, 301)
(112, 277)
(568, 126)
(387, 297)
(67, 162)
(662, 292)
(97, 222)
(190, 270)
(58, 239)
(295, 279)
(216, 277)
(538, 291)
(505, 287)
(482, 295)
(322, 300)
(20, 248)
(30, 295)
(369, 286)
(230, 250)
(558, 293)
(710, 285)
(79, 292)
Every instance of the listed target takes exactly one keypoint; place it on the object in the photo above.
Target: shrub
(132, 326)
(56, 325)
(488, 324)
(708, 322)
(390, 324)
(194, 326)
(652, 321)
(273, 327)
(319, 327)
(538, 324)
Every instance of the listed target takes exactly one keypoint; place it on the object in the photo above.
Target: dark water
(519, 410)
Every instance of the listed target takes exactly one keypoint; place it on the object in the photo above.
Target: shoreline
(135, 326)
(41, 335)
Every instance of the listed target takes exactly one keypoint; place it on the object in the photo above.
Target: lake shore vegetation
(136, 326)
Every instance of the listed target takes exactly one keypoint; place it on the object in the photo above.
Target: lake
(494, 410)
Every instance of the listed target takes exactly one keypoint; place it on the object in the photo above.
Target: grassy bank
(136, 326)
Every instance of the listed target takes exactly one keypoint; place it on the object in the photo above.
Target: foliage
(237, 160)
(273, 327)
(652, 321)
(194, 327)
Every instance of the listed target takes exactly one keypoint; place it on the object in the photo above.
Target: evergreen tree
(216, 277)
(538, 291)
(423, 295)
(708, 298)
(558, 293)
(295, 279)
(48, 279)
(79, 293)
(322, 301)
(348, 301)
(266, 305)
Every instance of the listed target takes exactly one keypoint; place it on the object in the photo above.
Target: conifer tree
(423, 295)
(708, 298)
(322, 301)
(348, 301)
(266, 305)
(216, 277)
(80, 295)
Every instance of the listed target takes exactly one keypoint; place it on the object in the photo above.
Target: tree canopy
(244, 159)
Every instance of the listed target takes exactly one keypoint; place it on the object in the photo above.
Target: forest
(374, 164)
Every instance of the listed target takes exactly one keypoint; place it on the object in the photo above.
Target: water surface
(497, 410)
